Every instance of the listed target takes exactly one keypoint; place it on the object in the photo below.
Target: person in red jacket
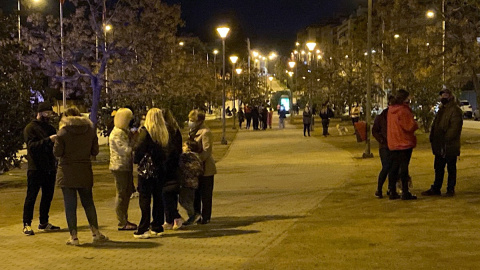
(401, 140)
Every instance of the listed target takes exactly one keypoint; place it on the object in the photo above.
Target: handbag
(146, 167)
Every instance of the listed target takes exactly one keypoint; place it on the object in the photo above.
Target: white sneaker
(100, 238)
(177, 223)
(167, 226)
(155, 234)
(73, 242)
(144, 235)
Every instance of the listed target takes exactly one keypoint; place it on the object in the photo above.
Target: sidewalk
(267, 182)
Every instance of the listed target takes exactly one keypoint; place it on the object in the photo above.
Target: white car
(466, 108)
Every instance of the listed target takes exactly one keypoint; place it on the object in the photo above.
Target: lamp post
(64, 97)
(233, 59)
(18, 17)
(367, 153)
(292, 64)
(431, 14)
(239, 71)
(215, 52)
(223, 32)
(311, 46)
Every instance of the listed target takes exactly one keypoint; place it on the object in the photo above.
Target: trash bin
(361, 131)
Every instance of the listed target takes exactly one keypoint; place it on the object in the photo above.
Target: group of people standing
(261, 116)
(394, 129)
(177, 172)
(308, 119)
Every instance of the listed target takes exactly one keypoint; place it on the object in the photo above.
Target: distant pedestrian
(248, 116)
(379, 131)
(325, 114)
(264, 117)
(270, 118)
(203, 136)
(40, 136)
(241, 118)
(255, 117)
(121, 165)
(445, 141)
(151, 149)
(307, 120)
(282, 114)
(355, 113)
(76, 142)
(401, 140)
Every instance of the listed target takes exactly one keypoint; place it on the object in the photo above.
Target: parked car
(466, 108)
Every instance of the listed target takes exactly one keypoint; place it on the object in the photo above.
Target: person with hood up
(401, 140)
(121, 166)
(445, 141)
(77, 141)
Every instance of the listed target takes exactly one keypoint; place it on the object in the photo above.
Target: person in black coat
(325, 114)
(379, 131)
(153, 140)
(264, 117)
(40, 136)
(445, 141)
(255, 116)
(241, 118)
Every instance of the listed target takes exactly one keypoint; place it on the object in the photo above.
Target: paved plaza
(281, 201)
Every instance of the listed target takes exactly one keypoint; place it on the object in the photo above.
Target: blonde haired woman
(153, 141)
(121, 166)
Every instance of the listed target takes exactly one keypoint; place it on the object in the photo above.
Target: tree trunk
(96, 88)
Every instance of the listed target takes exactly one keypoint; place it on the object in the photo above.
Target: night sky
(270, 24)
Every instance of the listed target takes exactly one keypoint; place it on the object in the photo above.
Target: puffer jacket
(120, 150)
(401, 128)
(205, 138)
(446, 130)
(77, 141)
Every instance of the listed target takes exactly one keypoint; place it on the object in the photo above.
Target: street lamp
(233, 59)
(431, 14)
(18, 16)
(215, 52)
(223, 32)
(64, 97)
(367, 153)
(239, 71)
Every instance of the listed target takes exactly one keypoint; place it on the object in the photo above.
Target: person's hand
(53, 137)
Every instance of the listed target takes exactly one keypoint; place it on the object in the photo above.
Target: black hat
(445, 91)
(44, 106)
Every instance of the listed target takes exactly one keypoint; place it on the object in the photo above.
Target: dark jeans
(325, 123)
(170, 202)
(439, 166)
(306, 127)
(255, 123)
(386, 159)
(37, 180)
(148, 188)
(70, 202)
(249, 121)
(203, 197)
(400, 162)
(355, 120)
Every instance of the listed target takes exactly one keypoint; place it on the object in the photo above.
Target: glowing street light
(291, 64)
(311, 45)
(396, 36)
(223, 32)
(108, 27)
(430, 14)
(181, 43)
